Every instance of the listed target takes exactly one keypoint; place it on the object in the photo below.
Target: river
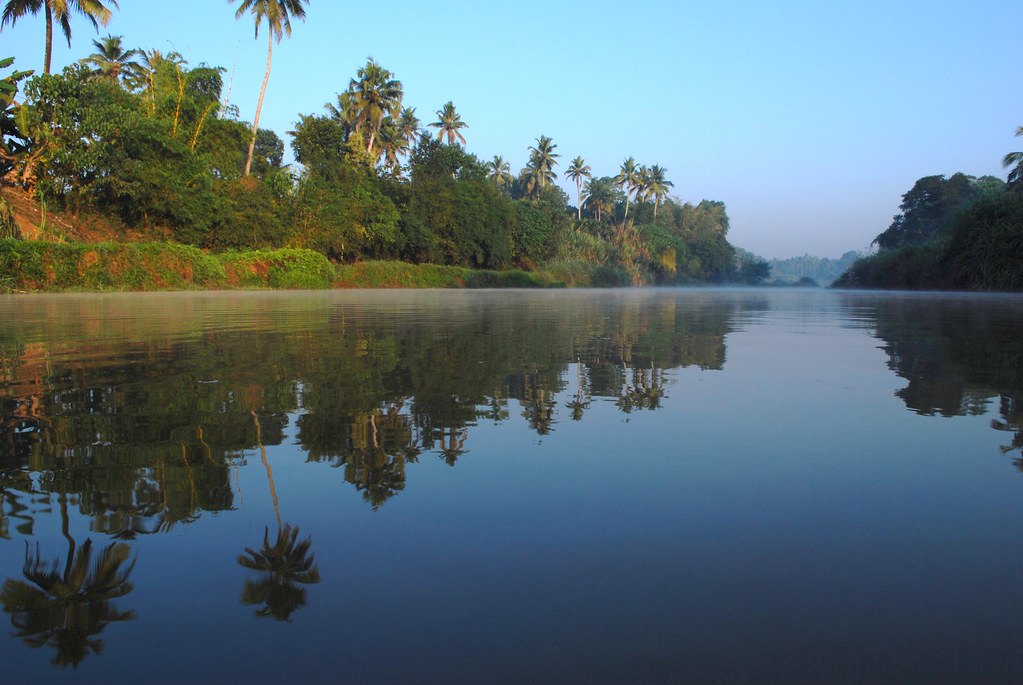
(642, 486)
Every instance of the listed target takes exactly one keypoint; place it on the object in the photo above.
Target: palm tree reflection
(69, 610)
(284, 566)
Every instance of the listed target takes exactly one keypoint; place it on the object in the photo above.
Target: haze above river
(658, 485)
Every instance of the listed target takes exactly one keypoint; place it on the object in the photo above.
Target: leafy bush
(107, 266)
(292, 268)
(608, 276)
(986, 249)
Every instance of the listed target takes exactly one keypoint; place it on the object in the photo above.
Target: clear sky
(809, 120)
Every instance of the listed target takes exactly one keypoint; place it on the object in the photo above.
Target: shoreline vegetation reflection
(139, 419)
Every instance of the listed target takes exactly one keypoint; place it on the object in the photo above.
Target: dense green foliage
(956, 233)
(931, 205)
(33, 265)
(139, 141)
(30, 266)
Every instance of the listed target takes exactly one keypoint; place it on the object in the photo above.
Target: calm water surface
(507, 487)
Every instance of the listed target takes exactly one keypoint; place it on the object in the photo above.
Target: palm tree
(600, 196)
(112, 61)
(655, 185)
(499, 172)
(449, 121)
(277, 14)
(409, 126)
(1014, 158)
(345, 112)
(540, 169)
(60, 10)
(142, 76)
(392, 143)
(577, 171)
(376, 94)
(628, 179)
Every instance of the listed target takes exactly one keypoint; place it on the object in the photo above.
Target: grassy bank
(32, 266)
(383, 274)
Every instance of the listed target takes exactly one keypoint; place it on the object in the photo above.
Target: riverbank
(35, 266)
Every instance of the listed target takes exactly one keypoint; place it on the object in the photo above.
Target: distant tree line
(809, 269)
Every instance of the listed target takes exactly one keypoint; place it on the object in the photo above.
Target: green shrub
(31, 265)
(986, 249)
(608, 276)
(293, 268)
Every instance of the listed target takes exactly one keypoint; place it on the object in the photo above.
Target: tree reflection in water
(956, 354)
(68, 610)
(283, 566)
(145, 431)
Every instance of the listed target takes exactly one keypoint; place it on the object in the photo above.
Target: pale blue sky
(808, 119)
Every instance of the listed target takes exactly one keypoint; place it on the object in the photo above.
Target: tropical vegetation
(960, 232)
(132, 145)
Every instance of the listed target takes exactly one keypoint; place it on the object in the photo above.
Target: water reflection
(138, 423)
(68, 610)
(147, 429)
(958, 354)
(283, 566)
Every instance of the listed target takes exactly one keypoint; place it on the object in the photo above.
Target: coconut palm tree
(392, 144)
(1014, 158)
(111, 61)
(449, 122)
(540, 169)
(277, 14)
(654, 185)
(577, 171)
(409, 126)
(628, 179)
(376, 94)
(499, 172)
(345, 112)
(60, 11)
(600, 196)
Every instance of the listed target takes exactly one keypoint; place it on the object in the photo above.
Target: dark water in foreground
(481, 487)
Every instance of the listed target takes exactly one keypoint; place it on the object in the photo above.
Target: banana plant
(14, 144)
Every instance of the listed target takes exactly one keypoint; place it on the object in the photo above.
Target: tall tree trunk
(579, 200)
(625, 218)
(269, 471)
(49, 40)
(65, 529)
(259, 105)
